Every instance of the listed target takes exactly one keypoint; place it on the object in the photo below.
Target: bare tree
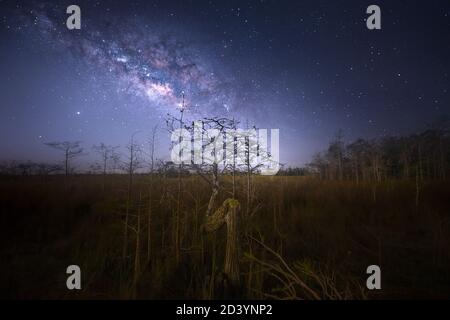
(131, 166)
(172, 123)
(71, 150)
(105, 152)
(151, 143)
(213, 131)
(115, 159)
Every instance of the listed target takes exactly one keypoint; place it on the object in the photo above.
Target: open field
(299, 237)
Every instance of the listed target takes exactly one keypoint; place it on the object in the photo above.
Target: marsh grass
(326, 232)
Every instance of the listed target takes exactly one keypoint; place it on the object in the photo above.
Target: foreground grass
(327, 232)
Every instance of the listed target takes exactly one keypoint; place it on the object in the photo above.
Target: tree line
(423, 155)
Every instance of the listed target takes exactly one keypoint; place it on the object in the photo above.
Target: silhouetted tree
(105, 152)
(71, 149)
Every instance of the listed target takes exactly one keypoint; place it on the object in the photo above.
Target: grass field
(299, 238)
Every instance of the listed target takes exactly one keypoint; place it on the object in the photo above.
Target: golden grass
(301, 238)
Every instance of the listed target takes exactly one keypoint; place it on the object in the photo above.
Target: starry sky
(308, 68)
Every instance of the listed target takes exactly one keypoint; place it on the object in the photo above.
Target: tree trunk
(228, 214)
(232, 256)
(137, 260)
(149, 222)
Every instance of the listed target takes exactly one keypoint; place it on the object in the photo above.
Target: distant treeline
(425, 155)
(29, 168)
(293, 171)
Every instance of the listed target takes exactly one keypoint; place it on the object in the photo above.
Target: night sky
(308, 68)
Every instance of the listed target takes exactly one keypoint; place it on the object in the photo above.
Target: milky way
(157, 67)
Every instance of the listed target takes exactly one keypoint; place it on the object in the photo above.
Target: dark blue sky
(308, 68)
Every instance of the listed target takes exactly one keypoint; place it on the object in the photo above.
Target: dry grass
(301, 239)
